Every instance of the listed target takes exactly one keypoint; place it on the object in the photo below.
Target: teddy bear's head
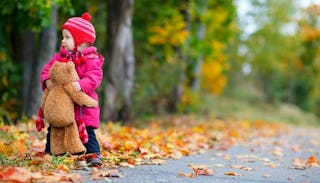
(63, 72)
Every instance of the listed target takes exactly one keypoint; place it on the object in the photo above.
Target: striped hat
(81, 29)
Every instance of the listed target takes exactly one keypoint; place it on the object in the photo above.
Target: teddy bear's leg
(57, 138)
(74, 143)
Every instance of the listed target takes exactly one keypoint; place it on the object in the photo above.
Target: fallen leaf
(199, 169)
(189, 175)
(245, 168)
(17, 174)
(233, 174)
(20, 147)
(266, 176)
(277, 151)
(38, 146)
(312, 159)
(62, 168)
(299, 164)
(218, 165)
(143, 150)
(302, 164)
(125, 164)
(71, 177)
(88, 156)
(100, 174)
(131, 161)
(271, 164)
(296, 148)
(227, 157)
(236, 166)
(157, 161)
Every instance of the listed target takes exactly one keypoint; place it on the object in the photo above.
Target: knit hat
(81, 29)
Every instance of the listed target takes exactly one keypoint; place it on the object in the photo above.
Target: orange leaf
(88, 156)
(201, 169)
(189, 175)
(206, 171)
(17, 174)
(20, 147)
(131, 161)
(63, 168)
(7, 173)
(312, 159)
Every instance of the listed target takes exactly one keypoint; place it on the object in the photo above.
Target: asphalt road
(261, 160)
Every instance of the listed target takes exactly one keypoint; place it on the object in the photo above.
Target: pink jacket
(90, 73)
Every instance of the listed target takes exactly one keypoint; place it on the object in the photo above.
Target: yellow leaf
(5, 149)
(62, 167)
(19, 146)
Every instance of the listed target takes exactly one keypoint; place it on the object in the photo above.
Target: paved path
(261, 160)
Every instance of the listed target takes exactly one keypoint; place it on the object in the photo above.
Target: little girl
(78, 36)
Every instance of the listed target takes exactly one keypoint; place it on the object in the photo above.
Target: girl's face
(67, 40)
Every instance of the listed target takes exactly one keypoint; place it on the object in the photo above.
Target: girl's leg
(92, 145)
(47, 150)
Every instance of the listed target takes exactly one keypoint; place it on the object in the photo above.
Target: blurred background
(252, 59)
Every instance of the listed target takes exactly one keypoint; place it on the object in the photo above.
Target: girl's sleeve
(92, 77)
(44, 75)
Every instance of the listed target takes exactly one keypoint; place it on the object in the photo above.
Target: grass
(241, 104)
(226, 107)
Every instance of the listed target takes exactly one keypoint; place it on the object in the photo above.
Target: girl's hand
(49, 84)
(76, 86)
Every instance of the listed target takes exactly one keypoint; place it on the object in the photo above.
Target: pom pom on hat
(81, 29)
(86, 16)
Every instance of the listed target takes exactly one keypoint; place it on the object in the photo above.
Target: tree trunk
(120, 64)
(47, 45)
(25, 54)
(196, 82)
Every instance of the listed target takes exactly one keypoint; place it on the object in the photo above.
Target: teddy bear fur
(58, 109)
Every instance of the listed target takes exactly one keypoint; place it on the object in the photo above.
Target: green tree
(28, 32)
(159, 34)
(180, 36)
(212, 25)
(309, 66)
(273, 50)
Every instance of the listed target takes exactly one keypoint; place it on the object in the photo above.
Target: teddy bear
(58, 109)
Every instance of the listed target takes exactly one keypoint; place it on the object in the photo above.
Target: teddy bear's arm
(44, 98)
(79, 97)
